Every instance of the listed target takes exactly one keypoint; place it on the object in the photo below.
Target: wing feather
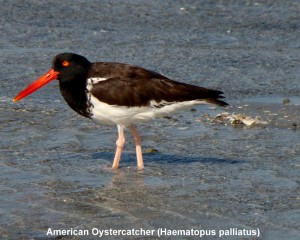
(127, 85)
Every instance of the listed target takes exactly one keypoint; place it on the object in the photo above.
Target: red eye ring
(66, 63)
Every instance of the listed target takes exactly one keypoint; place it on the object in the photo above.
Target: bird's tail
(214, 97)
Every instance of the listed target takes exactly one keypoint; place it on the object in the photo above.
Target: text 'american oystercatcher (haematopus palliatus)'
(120, 94)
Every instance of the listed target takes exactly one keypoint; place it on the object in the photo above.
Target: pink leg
(137, 141)
(120, 144)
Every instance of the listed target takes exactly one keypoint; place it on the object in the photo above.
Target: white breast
(122, 115)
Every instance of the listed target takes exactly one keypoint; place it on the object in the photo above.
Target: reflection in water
(133, 178)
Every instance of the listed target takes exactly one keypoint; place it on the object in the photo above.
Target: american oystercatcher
(120, 94)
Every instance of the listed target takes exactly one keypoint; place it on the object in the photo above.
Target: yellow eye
(66, 63)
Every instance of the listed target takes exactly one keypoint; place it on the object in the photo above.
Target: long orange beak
(37, 84)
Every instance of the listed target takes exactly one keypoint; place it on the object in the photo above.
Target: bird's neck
(75, 94)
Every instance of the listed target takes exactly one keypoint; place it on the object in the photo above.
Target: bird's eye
(65, 63)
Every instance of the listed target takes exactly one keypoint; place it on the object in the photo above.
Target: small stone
(150, 150)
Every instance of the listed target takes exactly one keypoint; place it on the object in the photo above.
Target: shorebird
(120, 94)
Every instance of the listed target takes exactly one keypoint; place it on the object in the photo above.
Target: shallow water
(200, 173)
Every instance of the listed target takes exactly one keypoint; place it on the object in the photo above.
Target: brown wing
(127, 85)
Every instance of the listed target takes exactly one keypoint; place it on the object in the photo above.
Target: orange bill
(43, 80)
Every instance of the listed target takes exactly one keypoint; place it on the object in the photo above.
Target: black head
(70, 66)
(71, 70)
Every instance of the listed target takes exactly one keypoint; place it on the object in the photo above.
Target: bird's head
(66, 67)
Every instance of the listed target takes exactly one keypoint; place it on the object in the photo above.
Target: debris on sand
(286, 101)
(237, 119)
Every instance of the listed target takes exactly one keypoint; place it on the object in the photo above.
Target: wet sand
(201, 173)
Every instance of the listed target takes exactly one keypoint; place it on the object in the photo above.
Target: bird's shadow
(162, 158)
